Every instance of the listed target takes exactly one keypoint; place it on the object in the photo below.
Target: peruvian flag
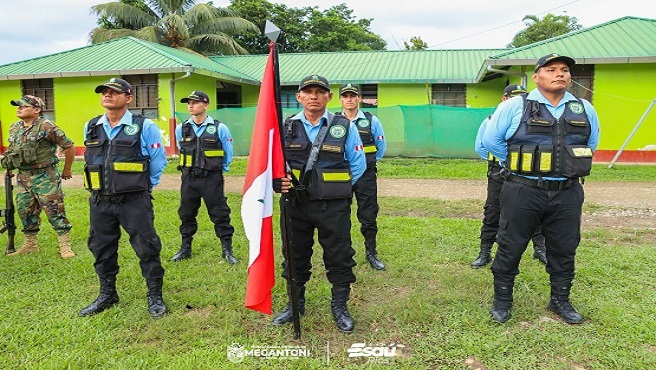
(265, 162)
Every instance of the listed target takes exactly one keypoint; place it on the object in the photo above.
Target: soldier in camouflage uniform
(32, 150)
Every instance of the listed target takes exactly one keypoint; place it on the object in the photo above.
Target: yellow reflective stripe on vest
(186, 160)
(213, 153)
(370, 149)
(545, 161)
(514, 161)
(582, 152)
(128, 167)
(527, 162)
(297, 174)
(336, 176)
(92, 181)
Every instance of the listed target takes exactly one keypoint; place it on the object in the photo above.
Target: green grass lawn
(428, 299)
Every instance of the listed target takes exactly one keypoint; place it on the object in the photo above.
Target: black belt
(544, 184)
(121, 198)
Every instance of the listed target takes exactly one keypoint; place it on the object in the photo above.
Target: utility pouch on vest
(539, 125)
(186, 160)
(576, 126)
(129, 176)
(577, 161)
(332, 183)
(526, 160)
(93, 177)
(124, 147)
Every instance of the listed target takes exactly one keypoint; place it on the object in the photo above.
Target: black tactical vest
(367, 137)
(544, 146)
(330, 177)
(204, 151)
(115, 166)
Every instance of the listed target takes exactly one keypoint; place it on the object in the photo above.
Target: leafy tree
(292, 22)
(416, 43)
(541, 29)
(181, 24)
(307, 29)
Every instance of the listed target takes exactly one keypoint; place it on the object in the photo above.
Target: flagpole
(272, 32)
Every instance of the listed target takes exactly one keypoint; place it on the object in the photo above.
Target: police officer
(545, 145)
(205, 153)
(494, 182)
(33, 143)
(365, 189)
(322, 196)
(124, 160)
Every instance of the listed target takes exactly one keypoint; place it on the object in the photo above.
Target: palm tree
(182, 24)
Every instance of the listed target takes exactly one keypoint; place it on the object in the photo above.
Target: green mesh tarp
(410, 130)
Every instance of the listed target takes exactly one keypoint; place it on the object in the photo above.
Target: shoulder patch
(576, 107)
(337, 131)
(131, 129)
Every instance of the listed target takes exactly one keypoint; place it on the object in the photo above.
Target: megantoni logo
(363, 122)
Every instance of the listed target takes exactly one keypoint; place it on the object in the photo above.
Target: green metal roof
(123, 56)
(432, 66)
(624, 40)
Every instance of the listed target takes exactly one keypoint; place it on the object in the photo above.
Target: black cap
(314, 80)
(116, 84)
(196, 95)
(514, 90)
(552, 58)
(349, 87)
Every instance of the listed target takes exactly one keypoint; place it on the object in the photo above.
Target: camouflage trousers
(37, 190)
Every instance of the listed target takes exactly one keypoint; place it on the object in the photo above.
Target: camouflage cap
(116, 84)
(29, 100)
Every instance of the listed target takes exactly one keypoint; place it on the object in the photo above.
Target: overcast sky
(33, 28)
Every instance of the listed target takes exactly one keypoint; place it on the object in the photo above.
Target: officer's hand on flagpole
(283, 184)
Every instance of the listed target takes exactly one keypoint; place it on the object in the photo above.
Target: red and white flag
(265, 163)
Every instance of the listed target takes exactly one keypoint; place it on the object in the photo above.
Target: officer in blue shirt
(366, 189)
(124, 160)
(321, 195)
(205, 153)
(492, 208)
(545, 145)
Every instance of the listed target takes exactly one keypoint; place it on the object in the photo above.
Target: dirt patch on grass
(621, 204)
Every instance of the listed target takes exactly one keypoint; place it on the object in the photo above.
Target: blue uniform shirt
(151, 142)
(377, 132)
(353, 153)
(506, 118)
(223, 133)
(478, 144)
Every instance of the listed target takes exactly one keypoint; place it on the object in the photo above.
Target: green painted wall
(403, 94)
(9, 90)
(622, 93)
(249, 95)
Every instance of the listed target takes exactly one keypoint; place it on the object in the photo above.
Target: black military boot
(560, 304)
(156, 306)
(185, 250)
(286, 315)
(341, 315)
(502, 303)
(372, 256)
(540, 249)
(483, 256)
(226, 251)
(106, 298)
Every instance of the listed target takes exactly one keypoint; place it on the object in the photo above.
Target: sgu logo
(362, 350)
